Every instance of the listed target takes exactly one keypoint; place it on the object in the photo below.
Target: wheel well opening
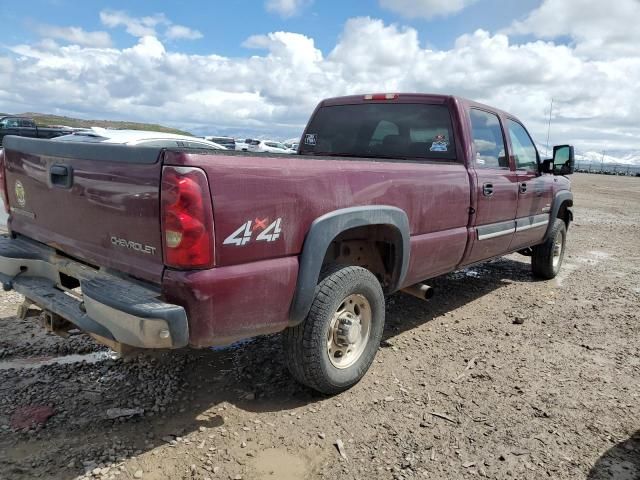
(378, 248)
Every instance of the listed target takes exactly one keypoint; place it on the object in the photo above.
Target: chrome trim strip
(535, 221)
(499, 233)
(530, 226)
(494, 230)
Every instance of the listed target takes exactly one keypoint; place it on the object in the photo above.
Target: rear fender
(325, 229)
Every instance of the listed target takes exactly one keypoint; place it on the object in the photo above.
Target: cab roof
(431, 98)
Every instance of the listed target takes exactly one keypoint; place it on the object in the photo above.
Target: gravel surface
(499, 376)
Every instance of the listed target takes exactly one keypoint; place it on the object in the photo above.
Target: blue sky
(226, 24)
(259, 67)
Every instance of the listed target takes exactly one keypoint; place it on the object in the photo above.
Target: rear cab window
(412, 131)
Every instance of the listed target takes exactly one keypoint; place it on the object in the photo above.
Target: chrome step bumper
(119, 309)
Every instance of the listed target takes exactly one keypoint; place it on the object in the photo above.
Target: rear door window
(488, 141)
(382, 130)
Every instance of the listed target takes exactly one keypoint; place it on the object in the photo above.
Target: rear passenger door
(534, 190)
(496, 188)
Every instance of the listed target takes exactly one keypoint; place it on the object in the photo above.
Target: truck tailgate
(97, 203)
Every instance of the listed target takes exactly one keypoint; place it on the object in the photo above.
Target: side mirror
(547, 166)
(563, 160)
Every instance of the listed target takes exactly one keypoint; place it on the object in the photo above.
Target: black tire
(545, 263)
(305, 345)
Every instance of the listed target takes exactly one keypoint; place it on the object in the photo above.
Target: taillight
(3, 183)
(187, 218)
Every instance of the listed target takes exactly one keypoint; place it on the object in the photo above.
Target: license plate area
(70, 285)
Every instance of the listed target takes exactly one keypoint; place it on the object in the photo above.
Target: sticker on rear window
(310, 138)
(439, 144)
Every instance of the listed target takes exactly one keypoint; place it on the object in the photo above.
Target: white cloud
(75, 35)
(148, 26)
(175, 32)
(136, 26)
(425, 8)
(600, 29)
(596, 100)
(287, 8)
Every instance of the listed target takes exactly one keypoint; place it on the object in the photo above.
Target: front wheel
(547, 257)
(334, 347)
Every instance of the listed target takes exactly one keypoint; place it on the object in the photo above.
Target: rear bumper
(118, 309)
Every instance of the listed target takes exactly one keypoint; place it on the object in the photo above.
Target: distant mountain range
(45, 120)
(623, 158)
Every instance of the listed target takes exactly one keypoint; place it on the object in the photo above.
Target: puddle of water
(467, 272)
(278, 464)
(37, 362)
(233, 346)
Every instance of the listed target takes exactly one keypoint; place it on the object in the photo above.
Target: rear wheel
(334, 347)
(547, 257)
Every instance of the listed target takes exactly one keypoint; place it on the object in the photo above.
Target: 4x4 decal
(244, 233)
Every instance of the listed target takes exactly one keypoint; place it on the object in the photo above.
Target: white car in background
(292, 143)
(242, 145)
(139, 137)
(227, 142)
(268, 146)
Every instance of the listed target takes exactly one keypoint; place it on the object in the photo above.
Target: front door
(534, 189)
(497, 188)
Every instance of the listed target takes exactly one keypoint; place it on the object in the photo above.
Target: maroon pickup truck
(159, 248)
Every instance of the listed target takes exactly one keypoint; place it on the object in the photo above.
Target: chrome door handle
(487, 189)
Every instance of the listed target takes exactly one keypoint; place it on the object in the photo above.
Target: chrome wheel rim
(558, 246)
(349, 331)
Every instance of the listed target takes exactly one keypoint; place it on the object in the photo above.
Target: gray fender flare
(561, 197)
(324, 230)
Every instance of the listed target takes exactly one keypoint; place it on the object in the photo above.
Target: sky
(259, 67)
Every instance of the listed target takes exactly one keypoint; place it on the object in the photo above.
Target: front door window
(524, 150)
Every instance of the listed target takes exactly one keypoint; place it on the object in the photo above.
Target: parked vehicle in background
(228, 142)
(26, 127)
(241, 145)
(292, 143)
(388, 190)
(139, 138)
(268, 146)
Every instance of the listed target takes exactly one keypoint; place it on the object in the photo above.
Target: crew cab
(26, 127)
(165, 248)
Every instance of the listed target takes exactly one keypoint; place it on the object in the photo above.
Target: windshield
(383, 130)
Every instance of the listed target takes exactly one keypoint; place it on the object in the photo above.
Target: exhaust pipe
(420, 290)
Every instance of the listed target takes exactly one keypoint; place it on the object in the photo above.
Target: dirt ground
(499, 376)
